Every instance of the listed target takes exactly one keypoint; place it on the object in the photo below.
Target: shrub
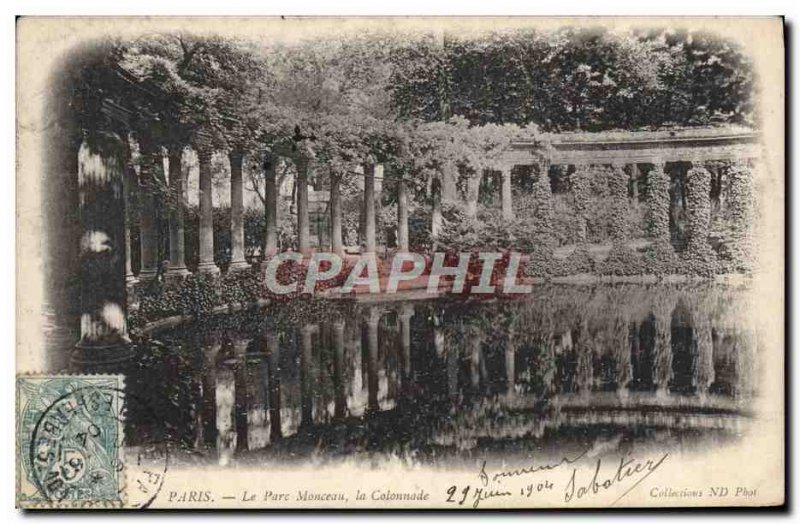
(659, 258)
(622, 260)
(579, 261)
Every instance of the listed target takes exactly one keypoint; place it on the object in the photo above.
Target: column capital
(372, 316)
(406, 311)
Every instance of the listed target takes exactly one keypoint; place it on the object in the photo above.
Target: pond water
(568, 367)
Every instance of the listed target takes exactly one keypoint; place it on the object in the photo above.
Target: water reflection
(433, 378)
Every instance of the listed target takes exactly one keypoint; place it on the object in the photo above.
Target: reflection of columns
(372, 359)
(206, 264)
(208, 384)
(102, 261)
(340, 396)
(508, 210)
(438, 335)
(273, 349)
(746, 341)
(474, 351)
(406, 312)
(662, 363)
(452, 371)
(303, 235)
(306, 380)
(622, 357)
(225, 393)
(704, 368)
(148, 222)
(238, 261)
(177, 265)
(402, 214)
(337, 246)
(584, 373)
(369, 208)
(241, 404)
(271, 198)
(510, 354)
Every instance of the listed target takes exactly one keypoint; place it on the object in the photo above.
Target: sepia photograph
(399, 263)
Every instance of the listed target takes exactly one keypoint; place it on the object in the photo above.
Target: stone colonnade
(104, 166)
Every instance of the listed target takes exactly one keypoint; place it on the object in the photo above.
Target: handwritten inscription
(624, 476)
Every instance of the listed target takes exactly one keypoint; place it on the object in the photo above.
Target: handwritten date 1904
(477, 495)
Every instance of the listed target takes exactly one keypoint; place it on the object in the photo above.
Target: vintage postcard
(400, 263)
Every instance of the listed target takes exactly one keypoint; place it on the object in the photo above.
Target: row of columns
(177, 270)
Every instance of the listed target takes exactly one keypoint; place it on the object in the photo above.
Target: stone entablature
(640, 147)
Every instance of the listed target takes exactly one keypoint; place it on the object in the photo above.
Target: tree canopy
(422, 102)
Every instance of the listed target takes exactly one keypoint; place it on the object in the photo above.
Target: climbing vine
(699, 258)
(740, 218)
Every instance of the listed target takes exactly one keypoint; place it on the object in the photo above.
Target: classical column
(340, 397)
(128, 187)
(658, 201)
(405, 314)
(337, 246)
(634, 178)
(151, 165)
(508, 210)
(271, 197)
(699, 253)
(372, 359)
(436, 210)
(369, 208)
(303, 234)
(618, 202)
(473, 193)
(238, 261)
(176, 271)
(402, 214)
(101, 167)
(206, 264)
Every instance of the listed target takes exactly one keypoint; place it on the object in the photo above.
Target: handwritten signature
(628, 468)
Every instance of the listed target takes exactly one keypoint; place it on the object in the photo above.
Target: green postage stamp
(68, 439)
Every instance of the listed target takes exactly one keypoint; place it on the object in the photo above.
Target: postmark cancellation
(68, 441)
